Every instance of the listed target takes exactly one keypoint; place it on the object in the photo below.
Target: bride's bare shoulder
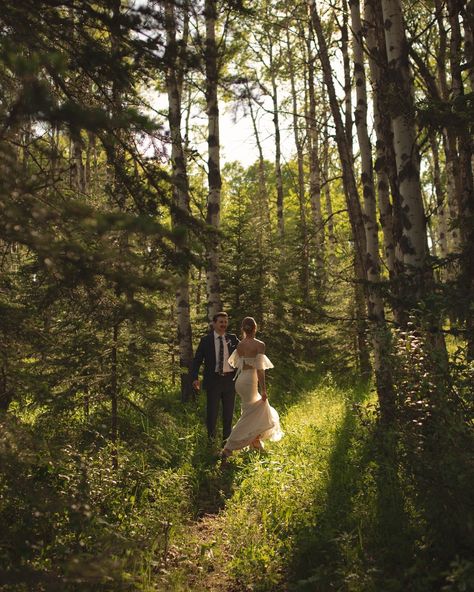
(260, 346)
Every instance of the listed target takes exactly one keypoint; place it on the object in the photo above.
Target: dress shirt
(227, 367)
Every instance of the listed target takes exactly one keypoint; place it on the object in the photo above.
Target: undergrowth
(336, 505)
(341, 503)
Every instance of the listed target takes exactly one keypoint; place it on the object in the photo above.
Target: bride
(259, 421)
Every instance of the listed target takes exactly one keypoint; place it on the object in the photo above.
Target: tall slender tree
(314, 163)
(174, 77)
(214, 303)
(350, 188)
(413, 241)
(300, 164)
(376, 312)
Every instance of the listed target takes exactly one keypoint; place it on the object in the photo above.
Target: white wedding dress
(258, 417)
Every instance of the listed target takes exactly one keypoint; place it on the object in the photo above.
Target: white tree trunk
(278, 173)
(413, 242)
(350, 187)
(383, 142)
(379, 332)
(442, 226)
(315, 169)
(214, 304)
(301, 182)
(181, 200)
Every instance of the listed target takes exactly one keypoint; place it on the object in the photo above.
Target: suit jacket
(206, 352)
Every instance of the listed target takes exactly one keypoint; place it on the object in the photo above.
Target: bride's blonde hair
(249, 326)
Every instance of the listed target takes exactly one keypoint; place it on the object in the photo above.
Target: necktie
(221, 354)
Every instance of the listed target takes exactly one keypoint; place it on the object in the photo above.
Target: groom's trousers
(221, 388)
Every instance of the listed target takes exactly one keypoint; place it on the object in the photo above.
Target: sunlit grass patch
(276, 495)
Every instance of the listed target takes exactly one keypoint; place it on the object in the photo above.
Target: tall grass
(333, 507)
(279, 498)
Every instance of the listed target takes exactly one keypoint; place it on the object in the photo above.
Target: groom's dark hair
(220, 314)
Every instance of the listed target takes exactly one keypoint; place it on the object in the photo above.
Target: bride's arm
(261, 381)
(261, 374)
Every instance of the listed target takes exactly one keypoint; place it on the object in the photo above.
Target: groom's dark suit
(218, 387)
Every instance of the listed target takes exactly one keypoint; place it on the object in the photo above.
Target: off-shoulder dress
(258, 418)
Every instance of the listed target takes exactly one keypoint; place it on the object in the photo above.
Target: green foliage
(264, 273)
(70, 520)
(346, 502)
(103, 471)
(434, 423)
(456, 114)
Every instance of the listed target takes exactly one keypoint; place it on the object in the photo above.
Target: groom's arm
(197, 361)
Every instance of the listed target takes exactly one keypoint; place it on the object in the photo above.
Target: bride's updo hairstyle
(249, 326)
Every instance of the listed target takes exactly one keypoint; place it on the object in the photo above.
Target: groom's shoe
(224, 459)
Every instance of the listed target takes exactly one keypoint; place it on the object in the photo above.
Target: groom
(214, 349)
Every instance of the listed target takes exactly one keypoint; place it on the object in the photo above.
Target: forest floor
(256, 518)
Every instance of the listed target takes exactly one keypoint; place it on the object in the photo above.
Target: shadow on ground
(360, 537)
(214, 481)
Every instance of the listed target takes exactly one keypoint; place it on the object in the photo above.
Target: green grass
(330, 507)
(334, 506)
(279, 508)
(284, 498)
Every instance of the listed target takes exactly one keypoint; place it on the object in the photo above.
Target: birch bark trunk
(301, 182)
(390, 211)
(442, 227)
(453, 181)
(350, 187)
(466, 195)
(181, 199)
(346, 61)
(278, 173)
(379, 332)
(327, 190)
(262, 177)
(413, 240)
(263, 213)
(417, 273)
(468, 22)
(214, 304)
(315, 168)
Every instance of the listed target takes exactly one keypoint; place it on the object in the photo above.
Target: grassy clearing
(330, 507)
(275, 502)
(341, 503)
(336, 505)
(273, 521)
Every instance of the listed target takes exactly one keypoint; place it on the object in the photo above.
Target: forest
(129, 219)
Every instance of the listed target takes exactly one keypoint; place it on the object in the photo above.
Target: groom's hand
(196, 384)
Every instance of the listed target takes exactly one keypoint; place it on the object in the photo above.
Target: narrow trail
(204, 555)
(200, 562)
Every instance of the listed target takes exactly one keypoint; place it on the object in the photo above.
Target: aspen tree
(350, 189)
(299, 158)
(413, 241)
(174, 77)
(380, 334)
(315, 165)
(214, 304)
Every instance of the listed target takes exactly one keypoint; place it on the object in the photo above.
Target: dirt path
(201, 562)
(287, 479)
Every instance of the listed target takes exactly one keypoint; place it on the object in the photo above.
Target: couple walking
(231, 365)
